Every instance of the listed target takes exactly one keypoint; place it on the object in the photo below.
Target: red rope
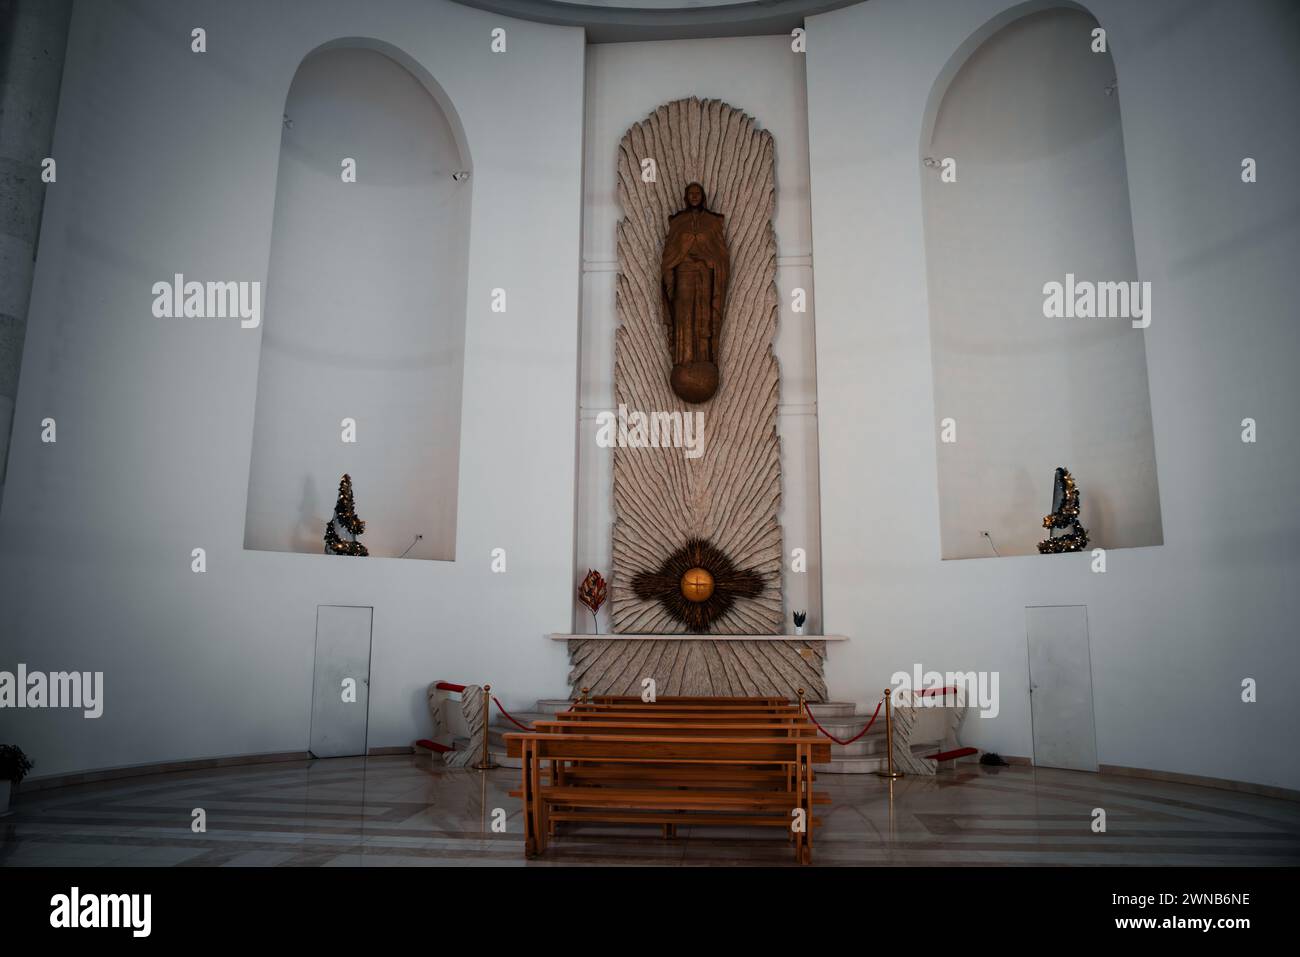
(808, 711)
(517, 724)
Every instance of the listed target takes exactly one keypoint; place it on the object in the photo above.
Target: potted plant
(799, 618)
(14, 766)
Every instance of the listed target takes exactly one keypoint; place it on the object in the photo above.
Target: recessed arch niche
(1031, 116)
(364, 316)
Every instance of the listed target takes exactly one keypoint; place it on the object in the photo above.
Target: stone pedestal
(725, 665)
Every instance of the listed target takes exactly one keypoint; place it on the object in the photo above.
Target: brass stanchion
(585, 692)
(792, 773)
(889, 742)
(485, 762)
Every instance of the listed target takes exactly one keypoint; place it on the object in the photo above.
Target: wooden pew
(669, 775)
(684, 717)
(769, 803)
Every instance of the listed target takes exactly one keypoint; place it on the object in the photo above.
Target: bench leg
(530, 799)
(806, 802)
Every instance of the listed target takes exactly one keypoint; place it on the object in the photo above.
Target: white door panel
(1060, 687)
(338, 724)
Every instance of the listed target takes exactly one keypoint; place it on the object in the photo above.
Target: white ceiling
(614, 21)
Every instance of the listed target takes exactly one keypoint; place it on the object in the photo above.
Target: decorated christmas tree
(345, 518)
(1065, 514)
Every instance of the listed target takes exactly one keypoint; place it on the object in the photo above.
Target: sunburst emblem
(697, 584)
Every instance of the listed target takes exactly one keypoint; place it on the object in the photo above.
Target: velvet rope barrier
(509, 716)
(811, 718)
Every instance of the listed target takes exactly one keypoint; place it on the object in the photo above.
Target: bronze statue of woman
(694, 273)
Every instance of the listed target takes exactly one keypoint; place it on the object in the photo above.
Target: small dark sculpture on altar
(694, 272)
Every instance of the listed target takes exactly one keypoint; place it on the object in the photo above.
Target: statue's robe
(694, 271)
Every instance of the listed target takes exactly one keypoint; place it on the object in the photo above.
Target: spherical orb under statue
(697, 584)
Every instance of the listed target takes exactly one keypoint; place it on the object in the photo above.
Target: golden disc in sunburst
(697, 584)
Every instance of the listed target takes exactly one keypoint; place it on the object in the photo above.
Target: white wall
(365, 314)
(625, 82)
(1041, 190)
(1174, 629)
(167, 163)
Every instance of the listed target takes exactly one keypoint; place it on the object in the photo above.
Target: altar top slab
(556, 636)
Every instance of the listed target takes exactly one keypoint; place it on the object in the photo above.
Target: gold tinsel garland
(1067, 516)
(345, 514)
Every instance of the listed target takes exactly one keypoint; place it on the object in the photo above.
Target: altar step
(500, 726)
(863, 756)
(867, 754)
(552, 705)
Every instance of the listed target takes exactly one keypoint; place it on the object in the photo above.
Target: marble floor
(397, 811)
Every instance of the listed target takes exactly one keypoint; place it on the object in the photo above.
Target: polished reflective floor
(397, 811)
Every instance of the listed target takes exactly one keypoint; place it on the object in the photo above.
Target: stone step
(527, 717)
(865, 745)
(553, 705)
(851, 765)
(839, 764)
(847, 727)
(832, 709)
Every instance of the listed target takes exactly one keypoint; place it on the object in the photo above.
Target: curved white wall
(167, 163)
(1041, 191)
(365, 314)
(1174, 629)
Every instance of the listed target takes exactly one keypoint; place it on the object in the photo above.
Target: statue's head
(695, 196)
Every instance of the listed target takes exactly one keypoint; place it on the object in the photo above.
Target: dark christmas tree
(1065, 514)
(345, 518)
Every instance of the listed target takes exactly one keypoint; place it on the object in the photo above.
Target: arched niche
(364, 315)
(1031, 116)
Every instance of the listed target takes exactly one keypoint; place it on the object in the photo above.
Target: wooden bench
(635, 782)
(710, 798)
(671, 775)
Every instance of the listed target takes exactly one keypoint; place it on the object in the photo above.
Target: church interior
(648, 433)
